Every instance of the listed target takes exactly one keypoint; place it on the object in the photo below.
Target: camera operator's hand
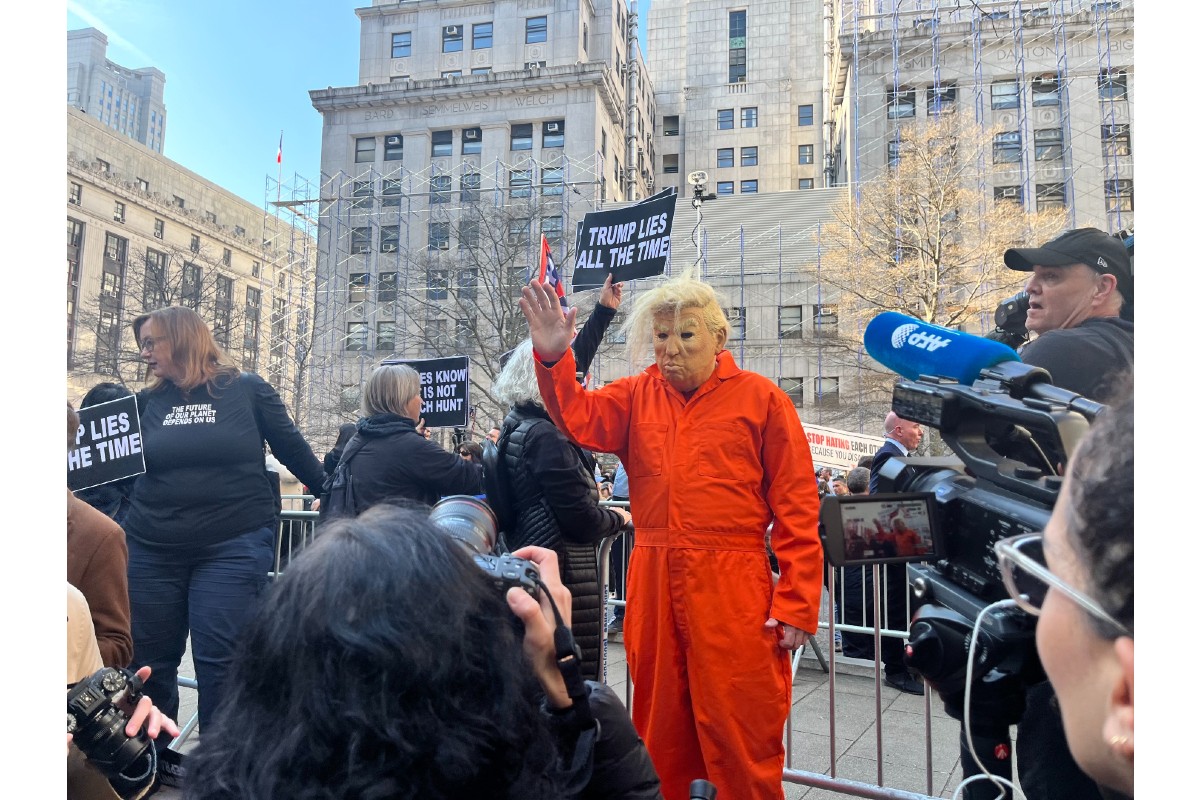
(550, 330)
(147, 716)
(539, 622)
(611, 293)
(789, 638)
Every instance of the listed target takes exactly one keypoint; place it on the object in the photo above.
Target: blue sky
(237, 74)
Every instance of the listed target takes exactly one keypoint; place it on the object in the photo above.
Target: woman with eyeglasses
(201, 524)
(1077, 577)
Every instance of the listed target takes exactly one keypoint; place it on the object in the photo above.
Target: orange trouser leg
(711, 689)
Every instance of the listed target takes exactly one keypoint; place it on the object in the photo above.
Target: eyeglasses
(1029, 580)
(148, 342)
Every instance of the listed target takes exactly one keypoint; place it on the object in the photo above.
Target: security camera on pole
(698, 180)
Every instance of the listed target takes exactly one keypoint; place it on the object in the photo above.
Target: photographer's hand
(539, 623)
(147, 716)
(789, 638)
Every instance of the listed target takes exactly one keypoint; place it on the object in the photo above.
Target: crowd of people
(384, 662)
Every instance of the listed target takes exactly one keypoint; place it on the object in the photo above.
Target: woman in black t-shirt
(202, 519)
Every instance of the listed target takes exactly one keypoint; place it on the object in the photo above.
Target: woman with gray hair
(553, 498)
(395, 462)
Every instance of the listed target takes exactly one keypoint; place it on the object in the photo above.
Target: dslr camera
(470, 521)
(98, 709)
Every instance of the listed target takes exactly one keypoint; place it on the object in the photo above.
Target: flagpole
(279, 177)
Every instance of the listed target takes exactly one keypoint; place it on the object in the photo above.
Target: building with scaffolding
(129, 101)
(145, 232)
(473, 131)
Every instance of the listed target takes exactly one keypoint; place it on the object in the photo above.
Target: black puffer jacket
(396, 463)
(555, 504)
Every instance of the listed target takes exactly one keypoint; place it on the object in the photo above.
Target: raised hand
(550, 329)
(610, 295)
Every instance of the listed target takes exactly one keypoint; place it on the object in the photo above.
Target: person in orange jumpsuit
(714, 454)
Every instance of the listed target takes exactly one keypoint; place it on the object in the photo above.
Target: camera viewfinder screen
(894, 529)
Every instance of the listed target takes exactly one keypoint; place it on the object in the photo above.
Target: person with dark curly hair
(384, 663)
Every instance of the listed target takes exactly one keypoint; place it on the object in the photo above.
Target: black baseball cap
(1091, 246)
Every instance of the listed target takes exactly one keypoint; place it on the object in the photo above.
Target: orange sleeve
(792, 497)
(596, 419)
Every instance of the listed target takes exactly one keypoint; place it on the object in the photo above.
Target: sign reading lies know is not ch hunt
(108, 445)
(445, 383)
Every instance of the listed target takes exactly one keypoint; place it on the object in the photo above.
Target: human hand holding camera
(538, 618)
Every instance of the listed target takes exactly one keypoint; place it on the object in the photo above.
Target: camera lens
(467, 519)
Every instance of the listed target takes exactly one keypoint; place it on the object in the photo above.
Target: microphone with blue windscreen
(912, 348)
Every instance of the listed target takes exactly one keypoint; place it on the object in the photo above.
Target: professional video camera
(472, 522)
(98, 709)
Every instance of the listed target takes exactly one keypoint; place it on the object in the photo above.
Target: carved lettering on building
(468, 106)
(379, 113)
(533, 100)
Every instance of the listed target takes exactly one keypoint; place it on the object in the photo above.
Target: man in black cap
(1080, 307)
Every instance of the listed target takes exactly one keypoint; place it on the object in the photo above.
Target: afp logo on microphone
(913, 335)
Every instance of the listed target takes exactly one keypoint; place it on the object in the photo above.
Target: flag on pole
(279, 155)
(548, 273)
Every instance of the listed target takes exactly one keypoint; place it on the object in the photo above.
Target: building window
(385, 290)
(824, 321)
(452, 39)
(143, 185)
(255, 269)
(468, 234)
(737, 323)
(725, 119)
(1115, 140)
(522, 137)
(439, 189)
(749, 156)
(553, 132)
(385, 336)
(195, 244)
(452, 73)
(118, 211)
(436, 336)
(552, 229)
(238, 230)
(893, 153)
(725, 157)
(1006, 148)
(793, 388)
(361, 195)
(441, 143)
(104, 166)
(468, 186)
(805, 183)
(1048, 144)
(389, 238)
(941, 99)
(439, 284)
(806, 154)
(356, 336)
(439, 236)
(402, 44)
(535, 30)
(737, 46)
(75, 196)
(393, 148)
(154, 292)
(210, 217)
(1118, 195)
(178, 201)
(518, 231)
(670, 164)
(552, 180)
(1112, 84)
(534, 64)
(825, 392)
(724, 188)
(360, 240)
(190, 291)
(519, 182)
(750, 117)
(481, 36)
(671, 125)
(1013, 194)
(227, 257)
(1006, 94)
(901, 102)
(1051, 195)
(791, 322)
(364, 150)
(392, 191)
(1047, 91)
(749, 187)
(159, 228)
(481, 70)
(804, 116)
(472, 141)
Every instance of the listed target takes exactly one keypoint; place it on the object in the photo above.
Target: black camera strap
(569, 658)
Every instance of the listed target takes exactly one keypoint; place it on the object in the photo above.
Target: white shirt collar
(903, 449)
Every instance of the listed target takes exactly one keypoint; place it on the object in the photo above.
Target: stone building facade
(129, 101)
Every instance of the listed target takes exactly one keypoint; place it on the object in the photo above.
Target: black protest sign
(631, 242)
(108, 445)
(444, 389)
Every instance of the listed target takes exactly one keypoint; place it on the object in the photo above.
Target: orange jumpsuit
(706, 478)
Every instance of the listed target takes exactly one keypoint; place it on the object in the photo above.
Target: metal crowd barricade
(824, 649)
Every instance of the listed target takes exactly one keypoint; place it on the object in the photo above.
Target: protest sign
(108, 445)
(444, 389)
(837, 449)
(631, 242)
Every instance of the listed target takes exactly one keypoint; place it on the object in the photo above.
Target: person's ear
(1118, 722)
(722, 335)
(1106, 287)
